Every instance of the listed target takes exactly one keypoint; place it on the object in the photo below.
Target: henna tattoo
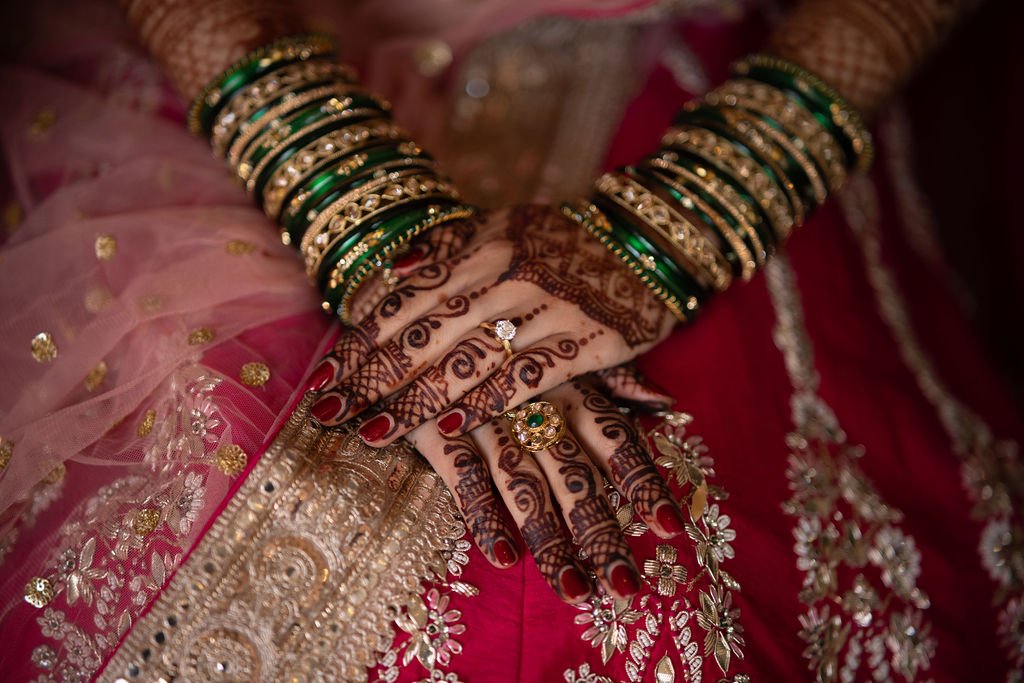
(626, 383)
(476, 499)
(559, 260)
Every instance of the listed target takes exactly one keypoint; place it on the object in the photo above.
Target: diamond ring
(504, 331)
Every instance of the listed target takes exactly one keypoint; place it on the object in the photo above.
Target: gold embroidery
(146, 426)
(44, 349)
(39, 592)
(6, 451)
(842, 527)
(200, 335)
(56, 474)
(664, 571)
(239, 247)
(267, 563)
(42, 121)
(105, 247)
(96, 376)
(146, 521)
(151, 303)
(254, 374)
(231, 459)
(583, 674)
(96, 298)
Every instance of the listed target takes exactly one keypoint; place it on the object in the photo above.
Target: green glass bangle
(756, 249)
(815, 95)
(710, 118)
(211, 100)
(674, 278)
(330, 186)
(698, 165)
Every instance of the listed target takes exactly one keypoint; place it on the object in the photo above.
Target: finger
(460, 466)
(527, 496)
(627, 383)
(577, 485)
(622, 454)
(526, 374)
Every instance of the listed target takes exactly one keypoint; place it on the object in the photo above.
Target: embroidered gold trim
(306, 569)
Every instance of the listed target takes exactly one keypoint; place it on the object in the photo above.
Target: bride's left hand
(420, 353)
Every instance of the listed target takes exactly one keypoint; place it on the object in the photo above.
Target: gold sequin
(96, 298)
(239, 247)
(106, 247)
(6, 451)
(254, 374)
(96, 376)
(44, 349)
(146, 426)
(231, 459)
(39, 592)
(146, 521)
(42, 121)
(200, 335)
(13, 215)
(56, 474)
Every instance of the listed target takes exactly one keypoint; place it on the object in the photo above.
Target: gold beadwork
(56, 474)
(105, 247)
(39, 592)
(6, 451)
(200, 335)
(231, 459)
(146, 521)
(254, 374)
(146, 426)
(44, 349)
(96, 376)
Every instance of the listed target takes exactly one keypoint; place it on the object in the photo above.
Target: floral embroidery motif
(664, 571)
(606, 619)
(432, 627)
(842, 526)
(583, 674)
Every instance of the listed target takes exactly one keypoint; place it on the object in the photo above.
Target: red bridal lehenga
(168, 512)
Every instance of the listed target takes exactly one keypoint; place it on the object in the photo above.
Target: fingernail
(326, 408)
(574, 584)
(376, 428)
(624, 581)
(669, 519)
(409, 260)
(451, 422)
(505, 554)
(323, 374)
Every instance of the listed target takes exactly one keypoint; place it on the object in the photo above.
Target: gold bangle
(691, 201)
(741, 210)
(659, 215)
(437, 217)
(349, 211)
(334, 145)
(275, 85)
(591, 219)
(747, 172)
(801, 125)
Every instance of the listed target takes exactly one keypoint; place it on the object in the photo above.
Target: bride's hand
(421, 353)
(558, 488)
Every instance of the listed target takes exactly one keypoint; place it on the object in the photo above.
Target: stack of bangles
(324, 160)
(738, 171)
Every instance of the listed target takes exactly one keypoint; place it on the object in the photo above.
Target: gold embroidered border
(326, 542)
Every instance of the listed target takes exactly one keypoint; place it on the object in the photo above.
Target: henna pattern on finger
(562, 260)
(591, 519)
(630, 465)
(542, 531)
(478, 504)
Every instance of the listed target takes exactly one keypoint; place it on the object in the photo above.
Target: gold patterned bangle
(274, 117)
(347, 167)
(713, 269)
(801, 125)
(747, 172)
(348, 212)
(777, 145)
(741, 210)
(303, 48)
(263, 92)
(438, 216)
(593, 220)
(692, 201)
(334, 145)
(335, 110)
